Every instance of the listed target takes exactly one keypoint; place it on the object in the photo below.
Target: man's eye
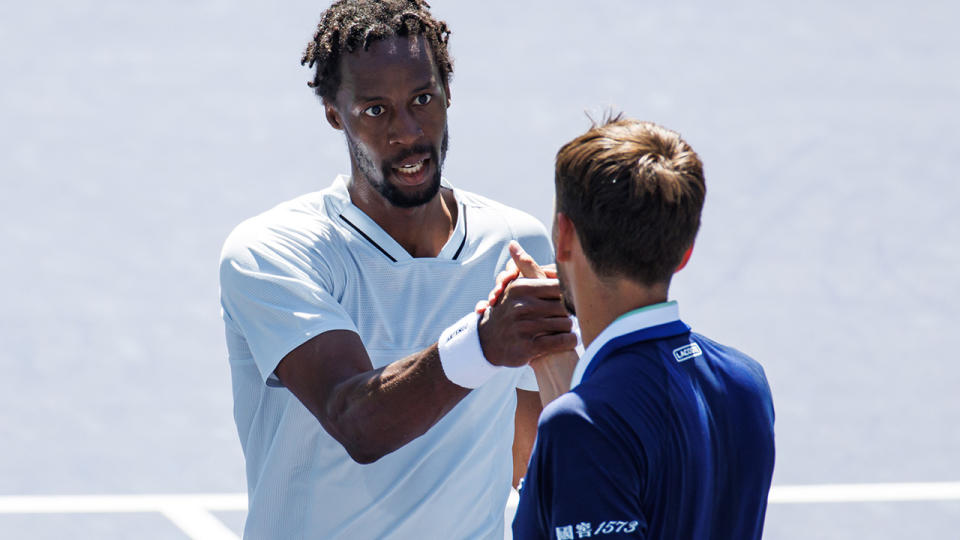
(374, 111)
(423, 99)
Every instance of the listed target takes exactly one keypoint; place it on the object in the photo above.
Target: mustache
(412, 151)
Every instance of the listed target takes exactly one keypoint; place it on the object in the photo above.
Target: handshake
(525, 320)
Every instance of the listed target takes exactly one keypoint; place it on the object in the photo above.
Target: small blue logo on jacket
(687, 352)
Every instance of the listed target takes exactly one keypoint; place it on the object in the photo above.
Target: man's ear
(685, 259)
(564, 235)
(446, 92)
(333, 116)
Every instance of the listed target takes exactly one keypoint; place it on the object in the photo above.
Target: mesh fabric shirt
(316, 264)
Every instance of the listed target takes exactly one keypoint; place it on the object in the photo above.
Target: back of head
(350, 25)
(634, 192)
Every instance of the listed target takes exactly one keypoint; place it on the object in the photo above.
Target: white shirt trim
(655, 315)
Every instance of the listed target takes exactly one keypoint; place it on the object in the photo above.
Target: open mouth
(413, 171)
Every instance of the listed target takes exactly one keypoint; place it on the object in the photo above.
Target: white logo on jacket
(687, 352)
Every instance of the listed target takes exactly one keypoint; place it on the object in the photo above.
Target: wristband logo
(450, 337)
(687, 352)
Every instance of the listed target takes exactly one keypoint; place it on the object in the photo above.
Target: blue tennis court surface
(135, 136)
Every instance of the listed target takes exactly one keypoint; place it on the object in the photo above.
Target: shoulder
(571, 414)
(629, 372)
(567, 429)
(521, 223)
(287, 235)
(510, 223)
(630, 390)
(742, 371)
(738, 361)
(569, 407)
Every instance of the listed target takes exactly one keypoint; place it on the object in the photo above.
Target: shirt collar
(628, 323)
(361, 223)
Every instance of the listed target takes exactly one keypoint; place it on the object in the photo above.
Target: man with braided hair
(370, 399)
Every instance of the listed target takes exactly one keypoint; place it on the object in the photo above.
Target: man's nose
(404, 128)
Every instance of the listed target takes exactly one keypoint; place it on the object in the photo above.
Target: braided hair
(349, 25)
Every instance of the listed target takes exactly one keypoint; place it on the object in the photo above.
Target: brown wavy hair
(634, 192)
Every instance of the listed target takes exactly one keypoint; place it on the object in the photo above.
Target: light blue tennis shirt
(316, 264)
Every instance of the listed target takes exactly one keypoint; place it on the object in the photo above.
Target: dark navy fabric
(649, 446)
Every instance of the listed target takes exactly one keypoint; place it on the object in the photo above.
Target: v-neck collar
(363, 225)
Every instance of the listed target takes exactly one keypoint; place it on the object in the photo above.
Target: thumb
(525, 263)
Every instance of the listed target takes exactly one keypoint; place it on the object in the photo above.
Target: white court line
(845, 493)
(237, 502)
(198, 523)
(93, 504)
(191, 513)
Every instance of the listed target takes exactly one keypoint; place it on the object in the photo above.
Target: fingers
(556, 325)
(554, 343)
(481, 307)
(545, 288)
(525, 263)
(520, 263)
(503, 280)
(527, 310)
(536, 309)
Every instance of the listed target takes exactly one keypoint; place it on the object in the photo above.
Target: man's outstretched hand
(520, 263)
(553, 370)
(524, 318)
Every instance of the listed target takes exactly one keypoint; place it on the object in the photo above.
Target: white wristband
(461, 356)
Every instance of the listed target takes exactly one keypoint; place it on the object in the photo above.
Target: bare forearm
(379, 411)
(553, 374)
(373, 412)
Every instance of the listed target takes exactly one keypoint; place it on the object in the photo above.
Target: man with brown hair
(665, 434)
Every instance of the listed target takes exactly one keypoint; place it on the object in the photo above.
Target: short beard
(377, 176)
(565, 294)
